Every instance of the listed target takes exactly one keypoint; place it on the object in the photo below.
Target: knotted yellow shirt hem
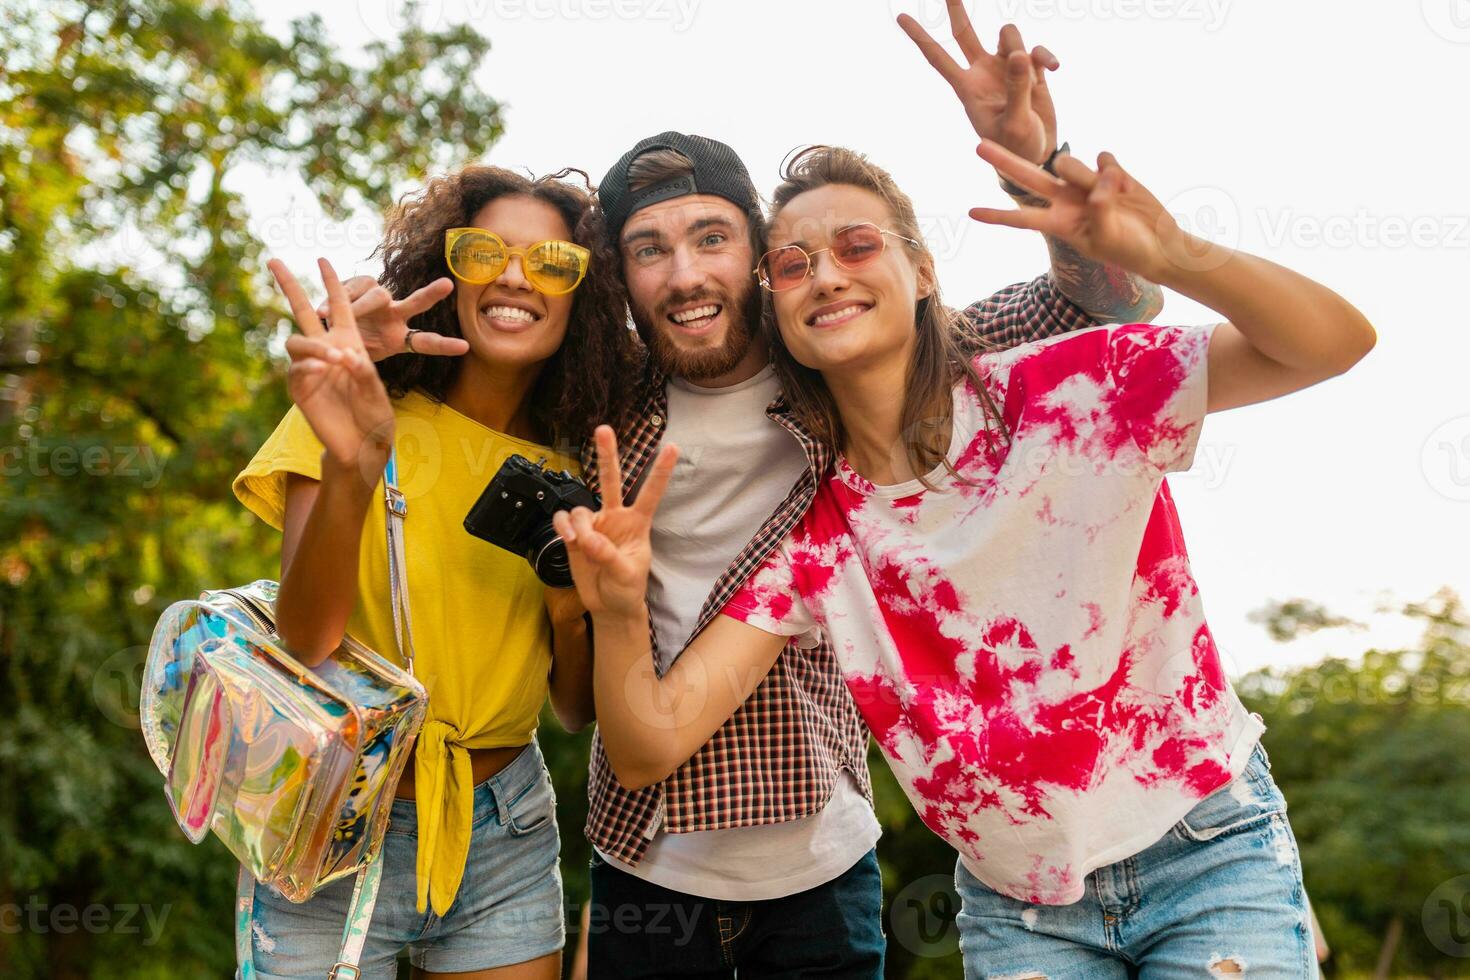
(445, 800)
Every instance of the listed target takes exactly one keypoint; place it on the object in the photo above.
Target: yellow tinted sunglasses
(552, 267)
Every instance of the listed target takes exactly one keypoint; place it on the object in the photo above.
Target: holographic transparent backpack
(293, 768)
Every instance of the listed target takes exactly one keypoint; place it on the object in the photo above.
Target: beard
(743, 313)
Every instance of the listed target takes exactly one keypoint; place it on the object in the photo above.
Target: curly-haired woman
(470, 878)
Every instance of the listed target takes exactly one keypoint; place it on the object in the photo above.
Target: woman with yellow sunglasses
(485, 264)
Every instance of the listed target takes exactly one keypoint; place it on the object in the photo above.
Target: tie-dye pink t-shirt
(1030, 650)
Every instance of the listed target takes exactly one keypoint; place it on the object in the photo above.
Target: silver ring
(408, 340)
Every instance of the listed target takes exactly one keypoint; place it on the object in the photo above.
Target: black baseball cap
(718, 170)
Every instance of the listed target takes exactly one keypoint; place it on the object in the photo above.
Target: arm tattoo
(1108, 293)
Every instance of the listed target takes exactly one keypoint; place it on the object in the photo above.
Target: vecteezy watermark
(1209, 469)
(126, 462)
(1363, 229)
(1446, 917)
(1211, 466)
(39, 916)
(117, 684)
(1211, 14)
(922, 917)
(1314, 687)
(666, 703)
(389, 19)
(944, 234)
(304, 228)
(1210, 214)
(1445, 459)
(1450, 19)
(650, 919)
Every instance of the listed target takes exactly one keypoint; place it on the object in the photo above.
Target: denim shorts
(508, 909)
(1220, 894)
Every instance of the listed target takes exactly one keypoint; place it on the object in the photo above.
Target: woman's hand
(1284, 331)
(1105, 214)
(609, 549)
(571, 660)
(1004, 93)
(332, 379)
(564, 606)
(382, 321)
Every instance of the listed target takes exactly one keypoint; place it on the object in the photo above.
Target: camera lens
(548, 556)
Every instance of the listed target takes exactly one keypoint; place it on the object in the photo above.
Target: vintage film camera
(515, 511)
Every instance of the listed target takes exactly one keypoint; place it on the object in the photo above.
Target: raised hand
(383, 321)
(1106, 215)
(332, 379)
(609, 549)
(1004, 93)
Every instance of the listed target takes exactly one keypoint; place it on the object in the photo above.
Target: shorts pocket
(1251, 800)
(532, 808)
(403, 820)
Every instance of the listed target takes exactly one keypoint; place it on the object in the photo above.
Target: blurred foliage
(135, 380)
(1373, 756)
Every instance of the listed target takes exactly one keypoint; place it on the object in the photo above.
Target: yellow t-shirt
(481, 635)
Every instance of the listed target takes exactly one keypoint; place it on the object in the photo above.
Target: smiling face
(506, 321)
(687, 265)
(842, 319)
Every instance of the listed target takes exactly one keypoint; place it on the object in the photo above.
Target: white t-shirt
(735, 467)
(772, 860)
(1029, 648)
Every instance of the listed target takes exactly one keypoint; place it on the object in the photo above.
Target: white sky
(1328, 136)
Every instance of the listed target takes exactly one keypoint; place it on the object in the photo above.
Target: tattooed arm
(1106, 292)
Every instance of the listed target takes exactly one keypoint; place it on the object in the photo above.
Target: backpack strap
(370, 875)
(397, 508)
(354, 933)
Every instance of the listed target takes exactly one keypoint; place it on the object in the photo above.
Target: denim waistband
(506, 785)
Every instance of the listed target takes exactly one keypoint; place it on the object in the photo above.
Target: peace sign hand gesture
(609, 549)
(1105, 214)
(382, 321)
(332, 379)
(1004, 93)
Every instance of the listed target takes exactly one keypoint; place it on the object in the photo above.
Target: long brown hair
(938, 363)
(584, 382)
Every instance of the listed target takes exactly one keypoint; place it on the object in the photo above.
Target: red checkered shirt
(779, 755)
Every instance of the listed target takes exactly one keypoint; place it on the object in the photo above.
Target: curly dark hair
(585, 382)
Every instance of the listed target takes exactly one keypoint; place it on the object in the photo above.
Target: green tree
(1372, 758)
(134, 382)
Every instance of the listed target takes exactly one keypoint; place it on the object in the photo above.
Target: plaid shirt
(779, 755)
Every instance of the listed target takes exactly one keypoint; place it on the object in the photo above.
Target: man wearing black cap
(757, 854)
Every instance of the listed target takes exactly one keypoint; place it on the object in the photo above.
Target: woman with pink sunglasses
(997, 561)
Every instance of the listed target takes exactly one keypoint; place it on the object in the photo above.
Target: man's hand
(382, 321)
(610, 549)
(1004, 93)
